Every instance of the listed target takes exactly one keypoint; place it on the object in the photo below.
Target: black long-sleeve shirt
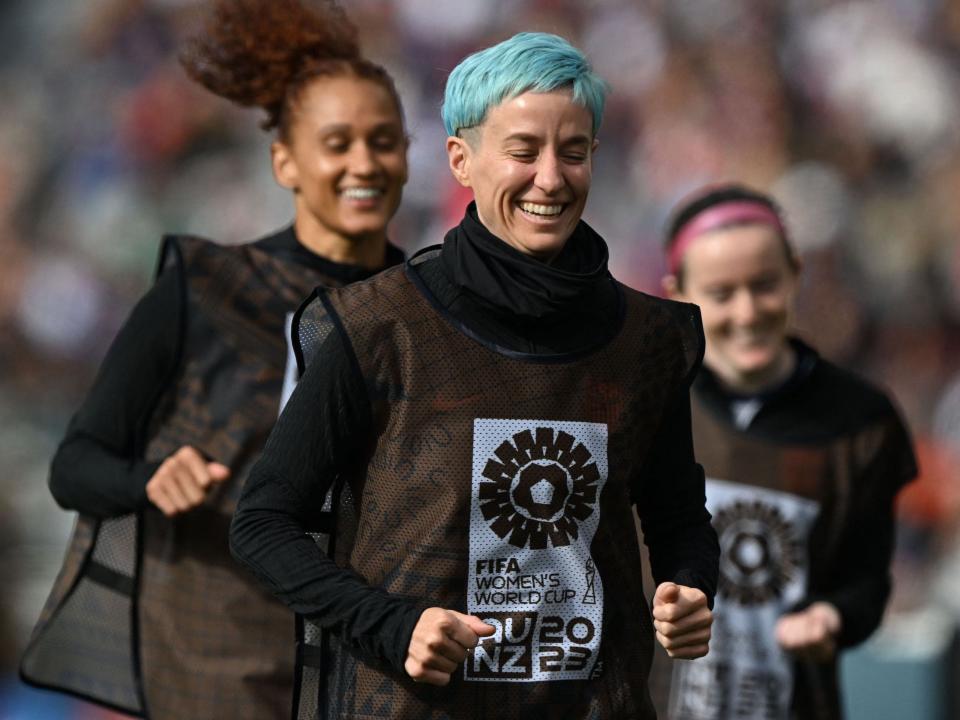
(96, 469)
(820, 403)
(328, 418)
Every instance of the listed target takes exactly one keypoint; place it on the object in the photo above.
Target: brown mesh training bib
(778, 508)
(499, 484)
(151, 615)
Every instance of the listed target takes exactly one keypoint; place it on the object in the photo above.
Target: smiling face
(345, 159)
(745, 284)
(529, 165)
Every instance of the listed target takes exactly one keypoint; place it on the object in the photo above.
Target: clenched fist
(682, 620)
(183, 480)
(440, 642)
(810, 633)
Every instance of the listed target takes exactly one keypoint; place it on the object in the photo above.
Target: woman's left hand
(682, 620)
(810, 633)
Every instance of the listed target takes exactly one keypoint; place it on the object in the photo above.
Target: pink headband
(733, 212)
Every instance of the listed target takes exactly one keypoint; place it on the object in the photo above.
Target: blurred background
(849, 112)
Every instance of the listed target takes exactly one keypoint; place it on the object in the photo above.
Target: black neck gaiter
(502, 276)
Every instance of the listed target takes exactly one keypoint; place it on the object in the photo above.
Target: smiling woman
(344, 157)
(341, 145)
(529, 165)
(803, 461)
(156, 456)
(494, 575)
(542, 116)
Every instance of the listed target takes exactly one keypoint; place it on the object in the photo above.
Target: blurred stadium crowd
(848, 111)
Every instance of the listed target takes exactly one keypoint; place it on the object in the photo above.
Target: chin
(543, 246)
(757, 358)
(756, 364)
(371, 226)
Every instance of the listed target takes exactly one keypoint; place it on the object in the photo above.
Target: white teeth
(541, 209)
(361, 193)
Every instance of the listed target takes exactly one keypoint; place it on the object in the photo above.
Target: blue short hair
(529, 61)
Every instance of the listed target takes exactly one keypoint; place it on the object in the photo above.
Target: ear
(671, 287)
(284, 166)
(458, 155)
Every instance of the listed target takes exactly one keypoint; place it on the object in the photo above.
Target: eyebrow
(523, 137)
(332, 128)
(530, 138)
(347, 127)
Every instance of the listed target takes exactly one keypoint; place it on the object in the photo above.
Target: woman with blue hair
(528, 62)
(485, 418)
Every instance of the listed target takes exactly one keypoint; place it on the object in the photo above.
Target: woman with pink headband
(803, 462)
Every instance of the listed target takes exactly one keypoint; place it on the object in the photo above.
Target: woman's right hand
(183, 481)
(440, 642)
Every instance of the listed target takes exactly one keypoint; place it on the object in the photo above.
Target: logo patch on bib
(534, 513)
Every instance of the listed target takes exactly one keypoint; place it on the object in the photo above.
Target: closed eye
(336, 143)
(765, 285)
(386, 143)
(719, 295)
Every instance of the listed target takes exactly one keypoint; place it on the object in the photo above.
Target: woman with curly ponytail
(300, 62)
(150, 615)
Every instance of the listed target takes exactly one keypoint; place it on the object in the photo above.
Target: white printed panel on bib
(763, 572)
(290, 370)
(534, 512)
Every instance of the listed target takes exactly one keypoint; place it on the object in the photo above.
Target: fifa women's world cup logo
(534, 513)
(538, 486)
(762, 552)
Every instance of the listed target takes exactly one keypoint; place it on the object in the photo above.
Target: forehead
(545, 116)
(346, 99)
(729, 254)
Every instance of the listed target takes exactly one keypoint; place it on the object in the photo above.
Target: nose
(746, 309)
(549, 173)
(363, 160)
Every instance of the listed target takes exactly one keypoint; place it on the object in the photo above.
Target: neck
(490, 268)
(366, 251)
(755, 383)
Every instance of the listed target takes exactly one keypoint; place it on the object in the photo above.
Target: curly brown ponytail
(261, 53)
